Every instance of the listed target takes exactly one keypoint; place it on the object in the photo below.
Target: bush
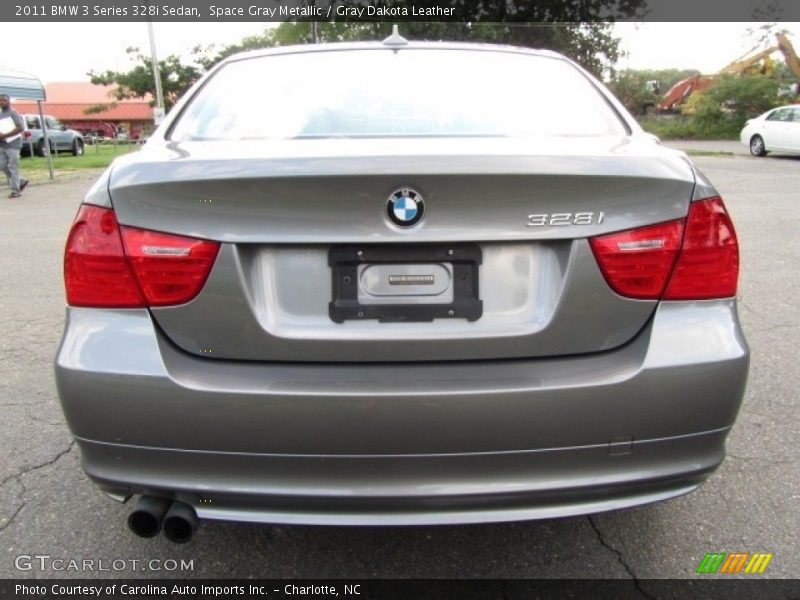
(690, 128)
(738, 97)
(720, 112)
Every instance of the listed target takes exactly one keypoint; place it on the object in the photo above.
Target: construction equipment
(761, 62)
(677, 94)
(786, 48)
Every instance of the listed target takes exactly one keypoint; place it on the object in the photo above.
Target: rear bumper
(410, 444)
(407, 490)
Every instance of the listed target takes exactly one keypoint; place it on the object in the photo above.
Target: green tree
(633, 90)
(207, 56)
(581, 30)
(722, 109)
(591, 44)
(738, 97)
(176, 77)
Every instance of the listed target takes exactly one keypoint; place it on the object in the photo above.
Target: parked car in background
(94, 130)
(777, 130)
(100, 132)
(61, 138)
(92, 138)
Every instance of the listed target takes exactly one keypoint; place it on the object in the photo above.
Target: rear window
(382, 93)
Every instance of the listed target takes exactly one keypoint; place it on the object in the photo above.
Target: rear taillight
(170, 269)
(96, 272)
(26, 135)
(708, 265)
(674, 261)
(109, 266)
(637, 263)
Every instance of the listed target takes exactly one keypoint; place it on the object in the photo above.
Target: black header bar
(512, 11)
(706, 588)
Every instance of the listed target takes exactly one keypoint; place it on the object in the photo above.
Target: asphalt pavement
(752, 503)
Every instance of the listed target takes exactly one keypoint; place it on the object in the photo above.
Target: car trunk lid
(283, 209)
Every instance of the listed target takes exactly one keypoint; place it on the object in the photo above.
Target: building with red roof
(74, 103)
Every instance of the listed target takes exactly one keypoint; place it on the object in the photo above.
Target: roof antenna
(395, 40)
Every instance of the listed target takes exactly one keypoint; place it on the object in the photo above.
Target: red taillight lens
(26, 135)
(704, 252)
(637, 263)
(170, 269)
(96, 272)
(109, 266)
(708, 265)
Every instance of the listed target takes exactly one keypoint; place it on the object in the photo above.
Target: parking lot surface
(751, 504)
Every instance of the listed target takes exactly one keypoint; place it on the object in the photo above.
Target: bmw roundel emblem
(405, 207)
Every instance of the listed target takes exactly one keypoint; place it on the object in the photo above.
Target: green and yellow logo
(734, 562)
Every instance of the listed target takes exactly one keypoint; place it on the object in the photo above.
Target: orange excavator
(761, 62)
(678, 93)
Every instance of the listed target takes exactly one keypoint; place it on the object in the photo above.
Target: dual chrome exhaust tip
(177, 520)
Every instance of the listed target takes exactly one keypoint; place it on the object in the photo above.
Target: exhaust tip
(180, 523)
(143, 524)
(145, 520)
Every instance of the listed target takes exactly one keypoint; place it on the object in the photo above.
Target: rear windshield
(381, 93)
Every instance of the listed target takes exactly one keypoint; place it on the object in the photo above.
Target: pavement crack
(12, 517)
(20, 498)
(771, 461)
(32, 417)
(18, 479)
(773, 328)
(724, 499)
(52, 461)
(741, 302)
(620, 558)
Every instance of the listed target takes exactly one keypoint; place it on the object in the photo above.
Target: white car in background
(777, 130)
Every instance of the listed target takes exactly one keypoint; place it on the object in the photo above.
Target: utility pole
(314, 32)
(158, 111)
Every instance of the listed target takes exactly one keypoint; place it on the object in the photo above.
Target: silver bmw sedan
(399, 283)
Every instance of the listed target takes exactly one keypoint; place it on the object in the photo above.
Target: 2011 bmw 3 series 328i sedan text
(399, 283)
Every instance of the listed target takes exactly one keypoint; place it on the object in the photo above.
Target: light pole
(158, 112)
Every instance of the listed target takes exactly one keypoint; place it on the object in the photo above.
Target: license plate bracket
(346, 260)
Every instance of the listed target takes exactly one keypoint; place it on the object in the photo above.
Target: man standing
(11, 127)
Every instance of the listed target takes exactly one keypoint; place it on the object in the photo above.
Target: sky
(100, 46)
(707, 47)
